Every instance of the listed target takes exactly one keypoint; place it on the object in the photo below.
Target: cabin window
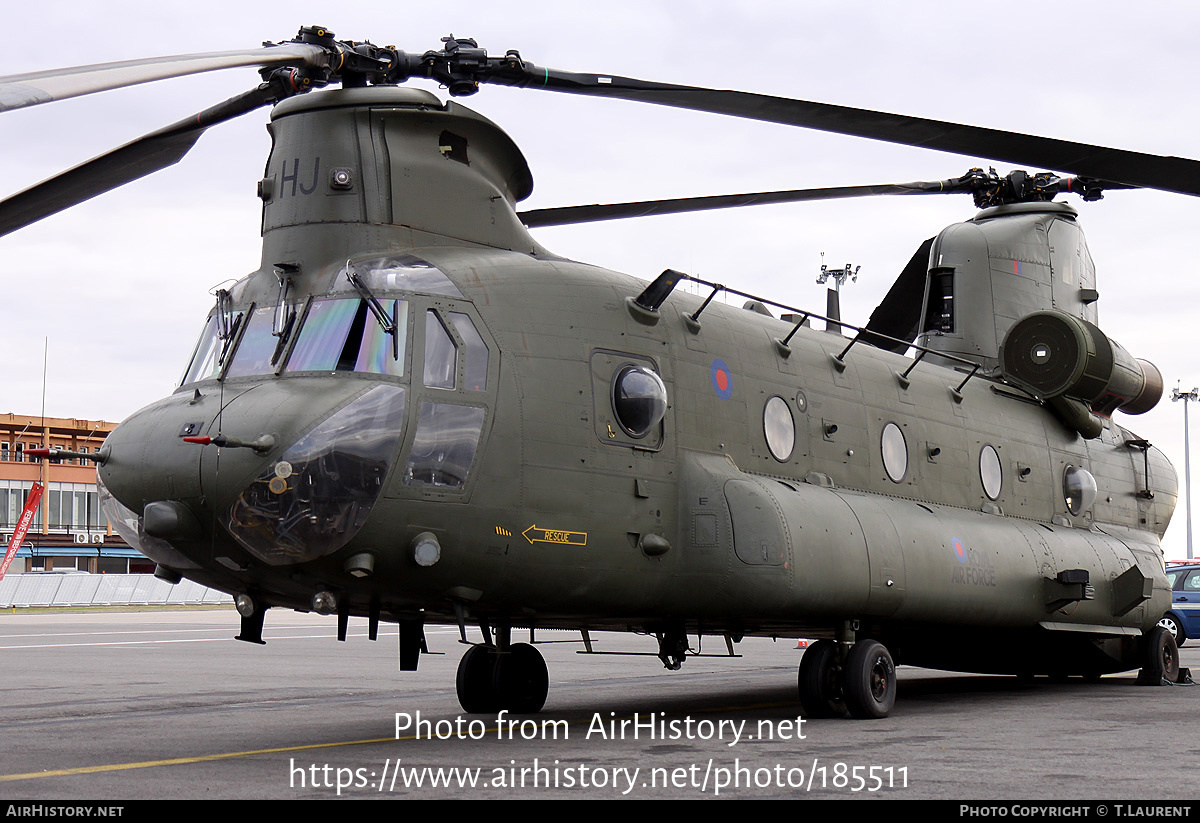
(895, 452)
(639, 400)
(1079, 489)
(779, 428)
(990, 472)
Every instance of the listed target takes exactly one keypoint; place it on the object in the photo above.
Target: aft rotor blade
(567, 215)
(1176, 174)
(147, 154)
(21, 90)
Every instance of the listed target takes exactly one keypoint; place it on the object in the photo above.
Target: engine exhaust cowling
(1066, 360)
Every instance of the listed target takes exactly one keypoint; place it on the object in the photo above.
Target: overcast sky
(120, 286)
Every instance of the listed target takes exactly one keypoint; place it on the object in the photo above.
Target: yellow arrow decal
(536, 534)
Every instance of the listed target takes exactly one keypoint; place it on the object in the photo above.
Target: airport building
(69, 531)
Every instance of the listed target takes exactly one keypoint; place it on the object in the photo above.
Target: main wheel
(1171, 624)
(521, 681)
(819, 681)
(870, 680)
(1160, 658)
(476, 673)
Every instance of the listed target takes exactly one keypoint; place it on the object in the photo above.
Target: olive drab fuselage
(482, 428)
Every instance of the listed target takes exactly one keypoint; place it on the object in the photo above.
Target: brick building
(70, 531)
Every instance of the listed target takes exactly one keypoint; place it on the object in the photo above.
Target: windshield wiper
(386, 321)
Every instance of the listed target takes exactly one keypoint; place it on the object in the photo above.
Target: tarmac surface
(165, 705)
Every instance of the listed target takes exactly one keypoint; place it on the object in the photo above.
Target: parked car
(1183, 620)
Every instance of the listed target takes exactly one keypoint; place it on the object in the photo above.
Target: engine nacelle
(1077, 368)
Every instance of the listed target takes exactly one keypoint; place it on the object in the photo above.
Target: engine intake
(1077, 368)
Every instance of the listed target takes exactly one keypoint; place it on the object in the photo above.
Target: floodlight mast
(1192, 395)
(833, 297)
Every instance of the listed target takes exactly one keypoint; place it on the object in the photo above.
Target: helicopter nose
(314, 497)
(297, 467)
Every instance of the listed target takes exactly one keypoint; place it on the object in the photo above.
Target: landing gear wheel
(870, 680)
(520, 680)
(1160, 658)
(819, 681)
(476, 673)
(1173, 628)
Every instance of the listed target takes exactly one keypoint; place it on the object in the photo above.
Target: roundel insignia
(722, 380)
(960, 551)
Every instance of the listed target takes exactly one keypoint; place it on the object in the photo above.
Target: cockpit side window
(210, 350)
(441, 354)
(444, 445)
(476, 368)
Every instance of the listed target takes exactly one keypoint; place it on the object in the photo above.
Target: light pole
(1192, 395)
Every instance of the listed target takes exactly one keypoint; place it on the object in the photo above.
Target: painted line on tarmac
(180, 640)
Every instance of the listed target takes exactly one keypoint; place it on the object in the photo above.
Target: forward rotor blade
(134, 160)
(21, 90)
(1177, 174)
(567, 215)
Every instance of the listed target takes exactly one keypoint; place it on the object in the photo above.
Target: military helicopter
(415, 413)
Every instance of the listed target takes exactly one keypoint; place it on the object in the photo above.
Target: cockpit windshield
(343, 335)
(351, 329)
(257, 349)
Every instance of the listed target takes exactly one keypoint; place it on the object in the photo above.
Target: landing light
(324, 603)
(245, 605)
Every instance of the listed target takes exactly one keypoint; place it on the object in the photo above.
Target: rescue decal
(536, 534)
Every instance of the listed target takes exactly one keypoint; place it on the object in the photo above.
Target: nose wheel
(863, 685)
(490, 679)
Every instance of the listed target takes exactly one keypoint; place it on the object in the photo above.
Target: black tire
(1174, 628)
(474, 682)
(520, 680)
(820, 682)
(1160, 658)
(870, 680)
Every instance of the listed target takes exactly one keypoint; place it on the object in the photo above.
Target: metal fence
(49, 589)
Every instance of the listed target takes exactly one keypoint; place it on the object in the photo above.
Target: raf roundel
(722, 381)
(959, 550)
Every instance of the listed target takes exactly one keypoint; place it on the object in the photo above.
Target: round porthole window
(779, 428)
(1079, 489)
(990, 472)
(639, 400)
(895, 452)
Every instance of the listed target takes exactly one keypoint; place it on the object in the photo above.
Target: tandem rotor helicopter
(413, 412)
